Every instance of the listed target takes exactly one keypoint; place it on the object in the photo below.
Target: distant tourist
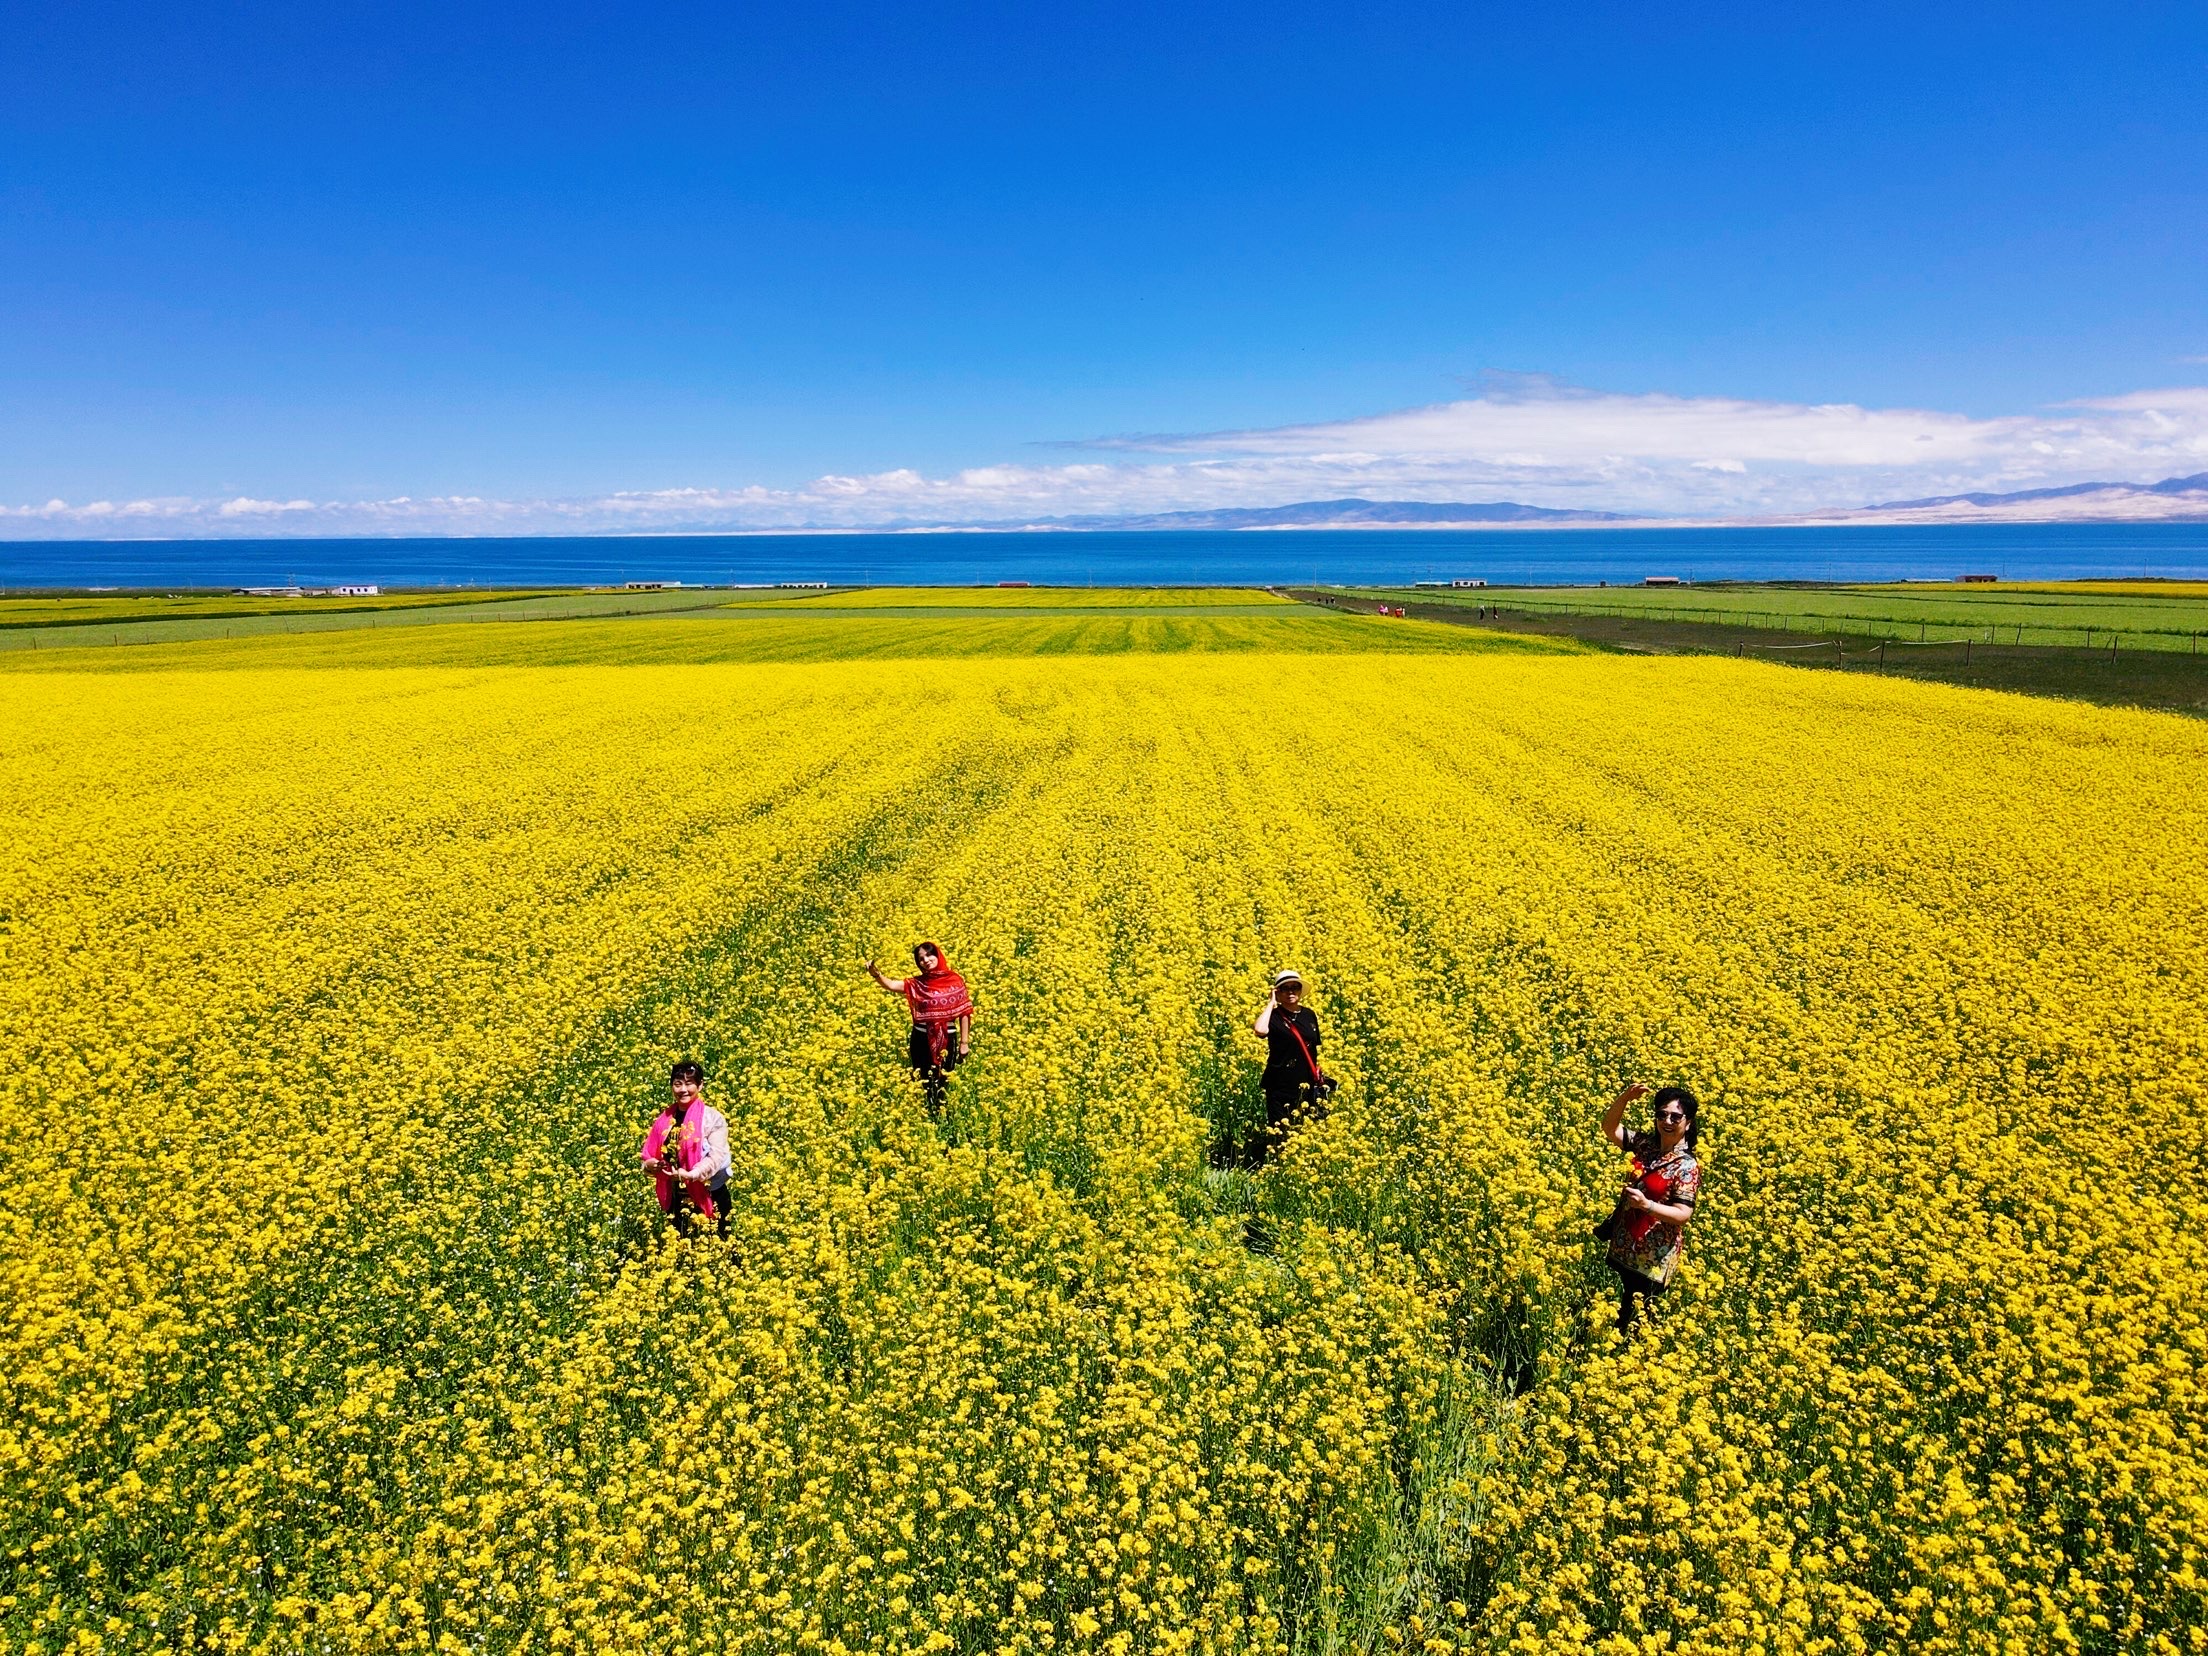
(1647, 1231)
(686, 1152)
(1292, 1073)
(942, 1020)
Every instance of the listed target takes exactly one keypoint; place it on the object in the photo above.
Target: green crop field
(709, 636)
(30, 628)
(1071, 618)
(41, 624)
(2165, 615)
(1031, 597)
(96, 608)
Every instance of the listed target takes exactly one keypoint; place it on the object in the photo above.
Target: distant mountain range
(2175, 499)
(1342, 514)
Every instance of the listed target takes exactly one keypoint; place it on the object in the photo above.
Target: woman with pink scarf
(686, 1152)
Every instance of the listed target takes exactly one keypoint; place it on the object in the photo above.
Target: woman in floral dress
(1648, 1232)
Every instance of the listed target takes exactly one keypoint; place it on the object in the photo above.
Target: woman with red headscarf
(942, 1019)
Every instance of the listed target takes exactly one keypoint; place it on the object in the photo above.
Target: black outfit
(1287, 1073)
(1633, 1288)
(934, 1077)
(685, 1205)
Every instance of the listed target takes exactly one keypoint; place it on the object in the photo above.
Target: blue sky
(791, 265)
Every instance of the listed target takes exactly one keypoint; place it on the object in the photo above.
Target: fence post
(1966, 652)
(1882, 653)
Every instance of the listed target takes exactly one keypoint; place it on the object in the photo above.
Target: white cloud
(1649, 453)
(1557, 429)
(244, 507)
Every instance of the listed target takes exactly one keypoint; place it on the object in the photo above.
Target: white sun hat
(1287, 974)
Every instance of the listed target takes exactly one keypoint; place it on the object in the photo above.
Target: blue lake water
(1348, 557)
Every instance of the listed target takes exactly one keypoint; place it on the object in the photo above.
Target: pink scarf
(689, 1145)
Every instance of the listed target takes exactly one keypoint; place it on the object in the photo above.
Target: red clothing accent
(1639, 1222)
(1643, 1242)
(938, 999)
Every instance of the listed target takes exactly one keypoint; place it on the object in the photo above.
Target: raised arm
(1264, 1024)
(895, 986)
(1613, 1119)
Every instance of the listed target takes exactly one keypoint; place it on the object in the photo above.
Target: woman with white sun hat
(1291, 1033)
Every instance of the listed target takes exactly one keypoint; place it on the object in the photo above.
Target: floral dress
(1643, 1243)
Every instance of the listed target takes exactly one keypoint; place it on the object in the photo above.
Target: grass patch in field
(676, 640)
(96, 609)
(2162, 616)
(343, 615)
(982, 612)
(1032, 597)
(2116, 589)
(2163, 680)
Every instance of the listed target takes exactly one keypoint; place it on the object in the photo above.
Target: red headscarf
(938, 999)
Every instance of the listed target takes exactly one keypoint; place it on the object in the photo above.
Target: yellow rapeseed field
(336, 998)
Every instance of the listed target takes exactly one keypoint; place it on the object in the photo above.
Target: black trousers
(1285, 1097)
(935, 1079)
(1633, 1288)
(686, 1204)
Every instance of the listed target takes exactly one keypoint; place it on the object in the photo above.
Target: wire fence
(1875, 652)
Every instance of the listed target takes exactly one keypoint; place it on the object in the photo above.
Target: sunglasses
(1671, 1115)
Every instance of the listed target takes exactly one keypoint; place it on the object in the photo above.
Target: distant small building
(1989, 579)
(370, 591)
(801, 586)
(1015, 583)
(1468, 583)
(1660, 580)
(269, 592)
(648, 586)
